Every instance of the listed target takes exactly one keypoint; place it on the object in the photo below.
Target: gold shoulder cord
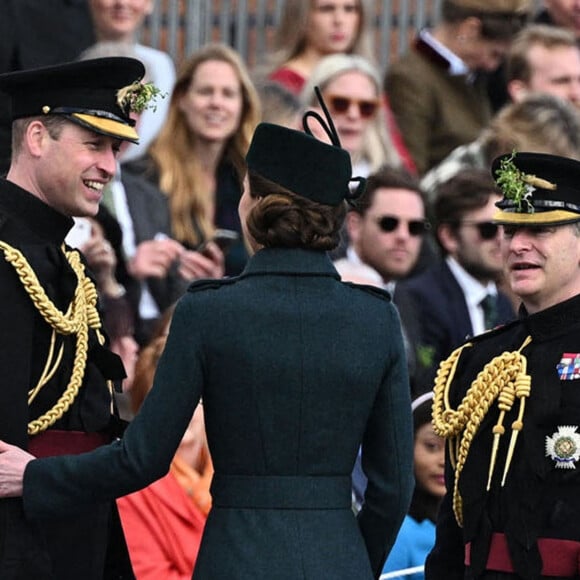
(80, 315)
(503, 378)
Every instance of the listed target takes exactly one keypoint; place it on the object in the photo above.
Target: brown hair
(540, 123)
(283, 219)
(517, 62)
(290, 40)
(467, 190)
(495, 25)
(54, 125)
(387, 178)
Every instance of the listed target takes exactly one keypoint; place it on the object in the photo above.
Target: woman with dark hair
(417, 534)
(296, 369)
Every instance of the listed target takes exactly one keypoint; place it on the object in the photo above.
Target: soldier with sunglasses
(458, 296)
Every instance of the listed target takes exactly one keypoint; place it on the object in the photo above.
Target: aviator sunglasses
(487, 230)
(388, 223)
(366, 107)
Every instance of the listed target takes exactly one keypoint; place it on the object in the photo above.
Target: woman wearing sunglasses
(351, 85)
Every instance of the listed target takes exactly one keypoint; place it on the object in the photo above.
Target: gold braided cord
(47, 372)
(81, 315)
(504, 377)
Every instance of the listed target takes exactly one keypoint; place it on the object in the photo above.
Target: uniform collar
(42, 219)
(553, 321)
(288, 262)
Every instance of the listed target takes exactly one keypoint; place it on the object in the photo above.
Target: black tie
(489, 306)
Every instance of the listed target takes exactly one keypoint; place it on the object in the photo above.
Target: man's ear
(448, 238)
(353, 223)
(35, 138)
(517, 90)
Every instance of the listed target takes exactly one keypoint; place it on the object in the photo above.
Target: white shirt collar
(456, 65)
(474, 292)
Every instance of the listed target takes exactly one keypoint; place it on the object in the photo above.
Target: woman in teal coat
(295, 368)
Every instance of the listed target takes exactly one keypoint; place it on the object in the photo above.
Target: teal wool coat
(296, 369)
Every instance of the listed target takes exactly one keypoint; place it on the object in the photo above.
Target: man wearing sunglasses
(386, 231)
(508, 401)
(458, 297)
(386, 227)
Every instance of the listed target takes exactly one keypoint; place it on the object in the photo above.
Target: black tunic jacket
(539, 498)
(71, 547)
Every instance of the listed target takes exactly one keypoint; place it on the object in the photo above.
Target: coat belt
(281, 492)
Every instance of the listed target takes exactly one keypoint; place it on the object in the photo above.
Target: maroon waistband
(559, 557)
(56, 442)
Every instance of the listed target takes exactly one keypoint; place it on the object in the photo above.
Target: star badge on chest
(564, 447)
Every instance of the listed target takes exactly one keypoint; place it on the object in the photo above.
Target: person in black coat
(296, 370)
(508, 401)
(56, 383)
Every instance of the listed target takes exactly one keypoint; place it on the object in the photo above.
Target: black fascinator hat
(303, 164)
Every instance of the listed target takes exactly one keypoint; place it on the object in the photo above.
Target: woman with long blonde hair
(197, 159)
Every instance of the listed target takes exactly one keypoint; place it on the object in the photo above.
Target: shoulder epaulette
(211, 283)
(374, 290)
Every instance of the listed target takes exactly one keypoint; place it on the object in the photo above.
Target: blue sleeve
(400, 556)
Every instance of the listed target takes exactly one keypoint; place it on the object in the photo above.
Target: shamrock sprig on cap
(518, 186)
(138, 96)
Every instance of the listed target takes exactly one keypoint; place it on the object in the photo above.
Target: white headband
(421, 399)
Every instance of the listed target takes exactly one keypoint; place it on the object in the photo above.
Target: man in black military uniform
(56, 374)
(509, 400)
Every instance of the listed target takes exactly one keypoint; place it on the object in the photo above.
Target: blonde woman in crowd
(351, 88)
(198, 158)
(312, 29)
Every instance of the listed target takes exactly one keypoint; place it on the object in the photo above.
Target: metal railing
(181, 26)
